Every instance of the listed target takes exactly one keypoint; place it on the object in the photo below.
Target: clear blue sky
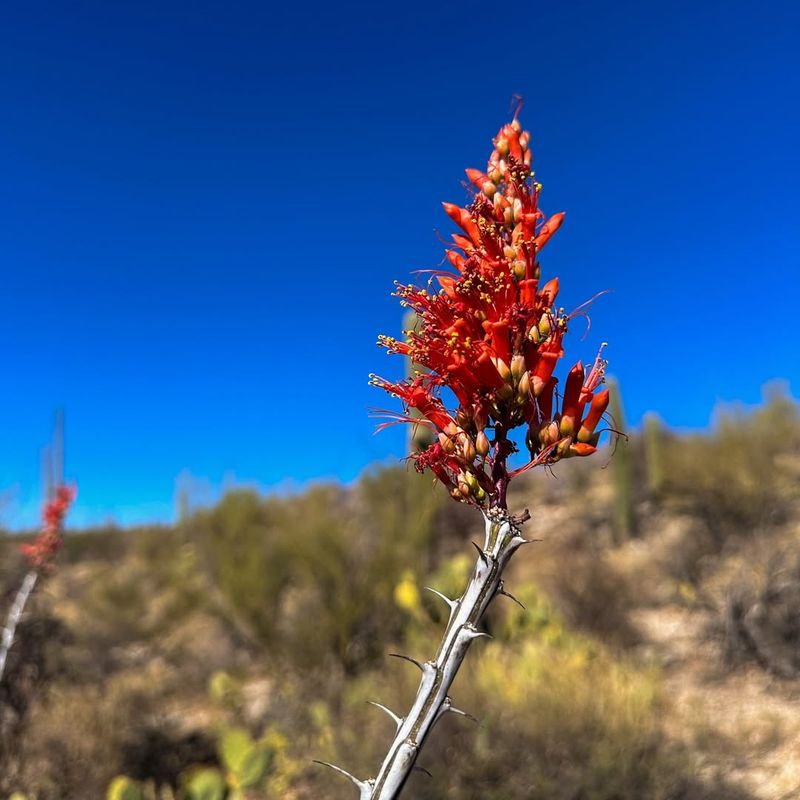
(203, 207)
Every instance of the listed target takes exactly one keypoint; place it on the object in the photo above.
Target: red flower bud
(579, 449)
(464, 220)
(548, 229)
(456, 259)
(570, 407)
(597, 408)
(476, 177)
(549, 292)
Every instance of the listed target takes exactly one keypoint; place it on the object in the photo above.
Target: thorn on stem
(362, 785)
(451, 709)
(473, 633)
(520, 540)
(451, 603)
(422, 769)
(502, 590)
(398, 720)
(409, 659)
(483, 555)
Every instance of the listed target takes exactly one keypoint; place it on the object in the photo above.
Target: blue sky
(203, 208)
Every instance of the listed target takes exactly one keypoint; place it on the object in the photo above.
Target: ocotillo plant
(39, 554)
(490, 336)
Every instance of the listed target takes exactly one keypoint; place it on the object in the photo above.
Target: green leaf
(205, 784)
(123, 788)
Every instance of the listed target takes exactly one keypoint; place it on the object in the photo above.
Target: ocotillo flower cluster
(491, 333)
(41, 551)
(39, 554)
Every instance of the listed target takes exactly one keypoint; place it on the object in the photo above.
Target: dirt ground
(745, 724)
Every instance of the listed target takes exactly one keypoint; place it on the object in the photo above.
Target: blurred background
(203, 210)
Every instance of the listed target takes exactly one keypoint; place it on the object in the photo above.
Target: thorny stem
(14, 614)
(503, 537)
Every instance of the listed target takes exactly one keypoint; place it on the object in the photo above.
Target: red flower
(41, 551)
(492, 335)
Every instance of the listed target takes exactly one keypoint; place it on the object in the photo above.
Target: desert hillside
(657, 654)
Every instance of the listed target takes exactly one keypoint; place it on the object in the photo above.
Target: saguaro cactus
(492, 336)
(624, 519)
(419, 436)
(653, 440)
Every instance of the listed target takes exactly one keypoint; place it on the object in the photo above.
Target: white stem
(17, 607)
(432, 700)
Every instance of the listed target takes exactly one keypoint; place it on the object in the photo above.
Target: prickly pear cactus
(123, 788)
(247, 762)
(205, 783)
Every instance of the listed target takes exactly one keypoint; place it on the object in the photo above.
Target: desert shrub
(77, 735)
(575, 563)
(108, 544)
(731, 485)
(579, 579)
(34, 661)
(313, 577)
(739, 478)
(759, 618)
(138, 598)
(11, 565)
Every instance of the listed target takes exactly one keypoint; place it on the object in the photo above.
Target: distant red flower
(492, 335)
(41, 551)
